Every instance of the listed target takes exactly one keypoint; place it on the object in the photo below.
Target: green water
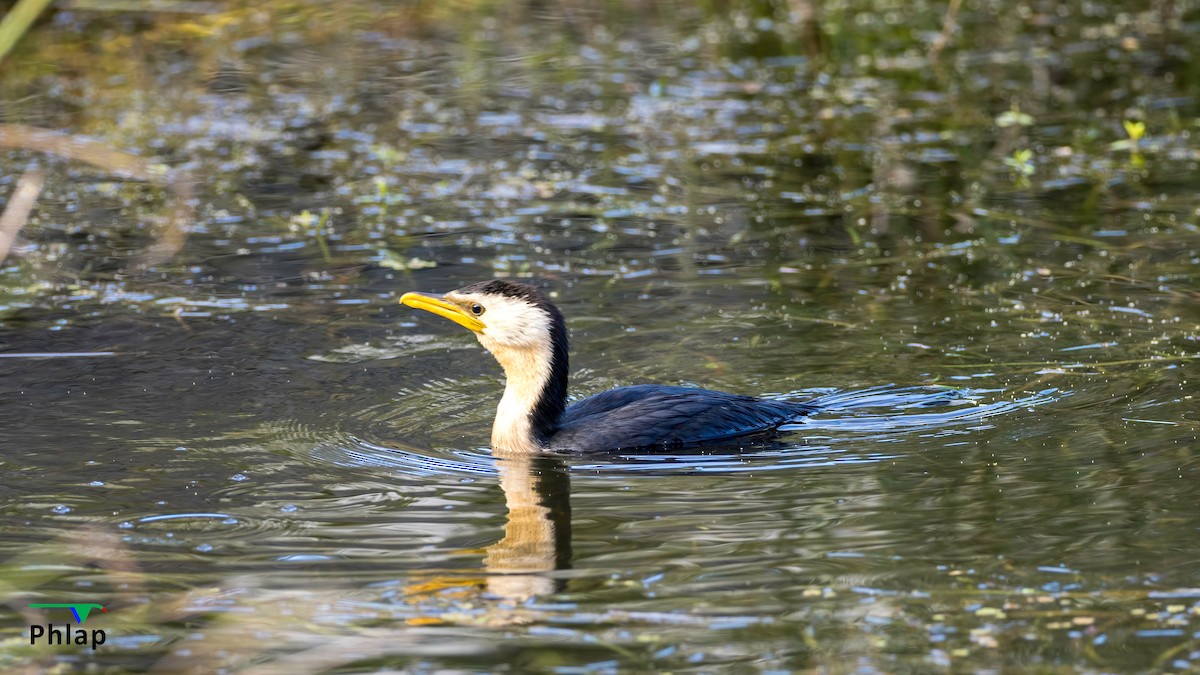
(258, 461)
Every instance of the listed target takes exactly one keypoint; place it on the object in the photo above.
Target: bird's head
(506, 316)
(528, 336)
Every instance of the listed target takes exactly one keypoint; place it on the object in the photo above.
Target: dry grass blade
(948, 26)
(172, 232)
(17, 22)
(106, 551)
(123, 164)
(16, 212)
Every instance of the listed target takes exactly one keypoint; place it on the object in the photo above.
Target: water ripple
(966, 407)
(356, 452)
(853, 427)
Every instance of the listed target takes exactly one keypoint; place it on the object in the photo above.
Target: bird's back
(656, 415)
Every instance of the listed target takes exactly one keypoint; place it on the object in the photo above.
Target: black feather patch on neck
(552, 401)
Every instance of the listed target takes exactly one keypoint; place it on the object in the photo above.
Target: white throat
(525, 377)
(518, 335)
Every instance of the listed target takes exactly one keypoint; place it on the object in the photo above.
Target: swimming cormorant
(527, 335)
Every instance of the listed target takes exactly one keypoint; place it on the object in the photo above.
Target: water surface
(259, 461)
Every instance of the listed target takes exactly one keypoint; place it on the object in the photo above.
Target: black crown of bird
(526, 333)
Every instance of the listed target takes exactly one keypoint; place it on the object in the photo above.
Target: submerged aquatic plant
(1136, 130)
(1014, 117)
(1021, 162)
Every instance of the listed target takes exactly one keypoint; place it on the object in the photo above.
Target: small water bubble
(239, 477)
(96, 483)
(126, 525)
(61, 508)
(204, 548)
(289, 508)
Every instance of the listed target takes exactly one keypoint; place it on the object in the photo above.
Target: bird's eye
(476, 308)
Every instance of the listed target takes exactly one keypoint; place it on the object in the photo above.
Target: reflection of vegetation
(322, 222)
(827, 85)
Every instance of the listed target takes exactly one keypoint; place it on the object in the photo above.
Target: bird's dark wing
(653, 415)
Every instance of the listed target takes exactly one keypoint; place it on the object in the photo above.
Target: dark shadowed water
(257, 461)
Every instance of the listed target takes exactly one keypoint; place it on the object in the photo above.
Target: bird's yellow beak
(435, 304)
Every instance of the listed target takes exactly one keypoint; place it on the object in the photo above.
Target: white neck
(518, 334)
(525, 372)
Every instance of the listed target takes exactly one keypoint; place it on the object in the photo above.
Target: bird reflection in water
(522, 564)
(537, 534)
